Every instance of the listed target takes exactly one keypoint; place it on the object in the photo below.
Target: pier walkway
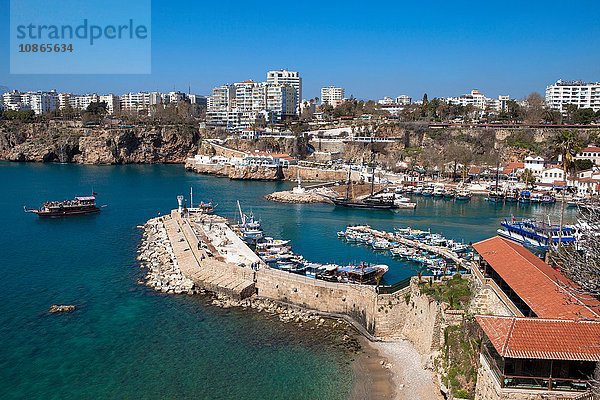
(203, 265)
(440, 251)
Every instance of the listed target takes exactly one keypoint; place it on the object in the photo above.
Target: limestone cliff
(71, 142)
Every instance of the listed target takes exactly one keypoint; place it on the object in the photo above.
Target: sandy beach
(391, 370)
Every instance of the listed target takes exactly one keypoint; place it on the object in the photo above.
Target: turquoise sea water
(125, 341)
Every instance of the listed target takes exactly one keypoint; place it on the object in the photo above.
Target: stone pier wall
(357, 302)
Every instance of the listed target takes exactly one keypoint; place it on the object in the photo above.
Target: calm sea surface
(125, 341)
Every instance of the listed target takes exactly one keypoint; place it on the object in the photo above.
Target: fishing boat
(536, 198)
(463, 195)
(496, 195)
(511, 196)
(427, 192)
(404, 202)
(80, 205)
(438, 192)
(250, 228)
(576, 202)
(536, 234)
(381, 244)
(525, 197)
(548, 199)
(449, 194)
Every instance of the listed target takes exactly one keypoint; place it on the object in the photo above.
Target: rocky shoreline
(156, 254)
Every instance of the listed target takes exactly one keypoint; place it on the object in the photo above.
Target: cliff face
(48, 142)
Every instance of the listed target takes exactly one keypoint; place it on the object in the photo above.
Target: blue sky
(372, 49)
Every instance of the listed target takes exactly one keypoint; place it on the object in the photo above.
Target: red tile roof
(545, 339)
(512, 167)
(546, 291)
(590, 149)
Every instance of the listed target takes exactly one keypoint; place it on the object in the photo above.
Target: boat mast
(348, 182)
(498, 175)
(191, 197)
(372, 167)
(242, 218)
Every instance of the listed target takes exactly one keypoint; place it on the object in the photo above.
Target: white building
(551, 176)
(285, 77)
(248, 103)
(197, 99)
(535, 164)
(404, 100)
(581, 94)
(591, 153)
(587, 182)
(81, 102)
(281, 101)
(480, 101)
(12, 101)
(332, 95)
(394, 108)
(43, 102)
(141, 101)
(113, 103)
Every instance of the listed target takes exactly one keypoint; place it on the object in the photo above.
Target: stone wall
(488, 299)
(357, 302)
(423, 321)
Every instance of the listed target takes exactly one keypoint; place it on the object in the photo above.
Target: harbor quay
(197, 252)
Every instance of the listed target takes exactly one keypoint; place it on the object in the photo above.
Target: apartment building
(579, 93)
(480, 101)
(244, 104)
(281, 101)
(141, 101)
(285, 77)
(113, 103)
(41, 102)
(332, 95)
(403, 100)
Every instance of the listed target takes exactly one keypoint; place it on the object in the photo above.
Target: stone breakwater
(319, 195)
(157, 256)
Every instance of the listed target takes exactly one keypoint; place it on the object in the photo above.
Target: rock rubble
(157, 256)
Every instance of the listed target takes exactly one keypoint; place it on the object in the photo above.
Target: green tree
(584, 116)
(529, 178)
(97, 108)
(567, 143)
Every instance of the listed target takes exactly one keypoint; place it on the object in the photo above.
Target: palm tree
(567, 144)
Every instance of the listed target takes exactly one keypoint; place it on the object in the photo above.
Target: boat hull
(355, 204)
(64, 213)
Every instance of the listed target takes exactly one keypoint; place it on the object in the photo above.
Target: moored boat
(463, 195)
(80, 205)
(535, 234)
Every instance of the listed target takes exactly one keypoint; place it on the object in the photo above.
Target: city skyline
(509, 50)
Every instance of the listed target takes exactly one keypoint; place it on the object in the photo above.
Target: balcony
(497, 364)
